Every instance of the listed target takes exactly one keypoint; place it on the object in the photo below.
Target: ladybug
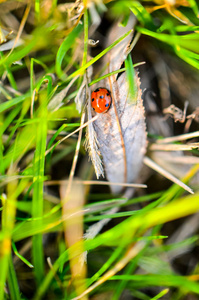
(101, 100)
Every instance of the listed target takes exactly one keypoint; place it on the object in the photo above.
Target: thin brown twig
(72, 133)
(178, 138)
(70, 180)
(21, 27)
(94, 182)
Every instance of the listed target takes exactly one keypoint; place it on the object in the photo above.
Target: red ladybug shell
(101, 100)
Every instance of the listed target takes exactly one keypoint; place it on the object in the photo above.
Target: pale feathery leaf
(122, 147)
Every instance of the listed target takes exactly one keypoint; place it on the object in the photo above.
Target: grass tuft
(148, 248)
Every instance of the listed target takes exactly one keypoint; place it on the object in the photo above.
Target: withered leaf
(132, 122)
(121, 132)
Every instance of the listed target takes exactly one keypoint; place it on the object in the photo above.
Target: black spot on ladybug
(101, 97)
(107, 94)
(107, 105)
(93, 108)
(97, 90)
(93, 99)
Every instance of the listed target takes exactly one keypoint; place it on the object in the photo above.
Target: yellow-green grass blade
(37, 201)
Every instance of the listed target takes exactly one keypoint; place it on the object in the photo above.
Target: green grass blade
(37, 201)
(161, 294)
(194, 7)
(130, 77)
(11, 78)
(65, 46)
(140, 281)
(141, 14)
(24, 141)
(20, 256)
(97, 57)
(8, 104)
(17, 55)
(8, 221)
(33, 60)
(2, 169)
(188, 41)
(111, 216)
(13, 282)
(48, 278)
(31, 227)
(9, 118)
(115, 255)
(106, 75)
(37, 9)
(188, 56)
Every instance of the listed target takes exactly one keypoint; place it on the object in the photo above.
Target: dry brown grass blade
(7, 6)
(72, 172)
(150, 163)
(21, 27)
(73, 203)
(72, 198)
(177, 138)
(94, 182)
(174, 147)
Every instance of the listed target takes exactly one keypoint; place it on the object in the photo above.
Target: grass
(40, 80)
